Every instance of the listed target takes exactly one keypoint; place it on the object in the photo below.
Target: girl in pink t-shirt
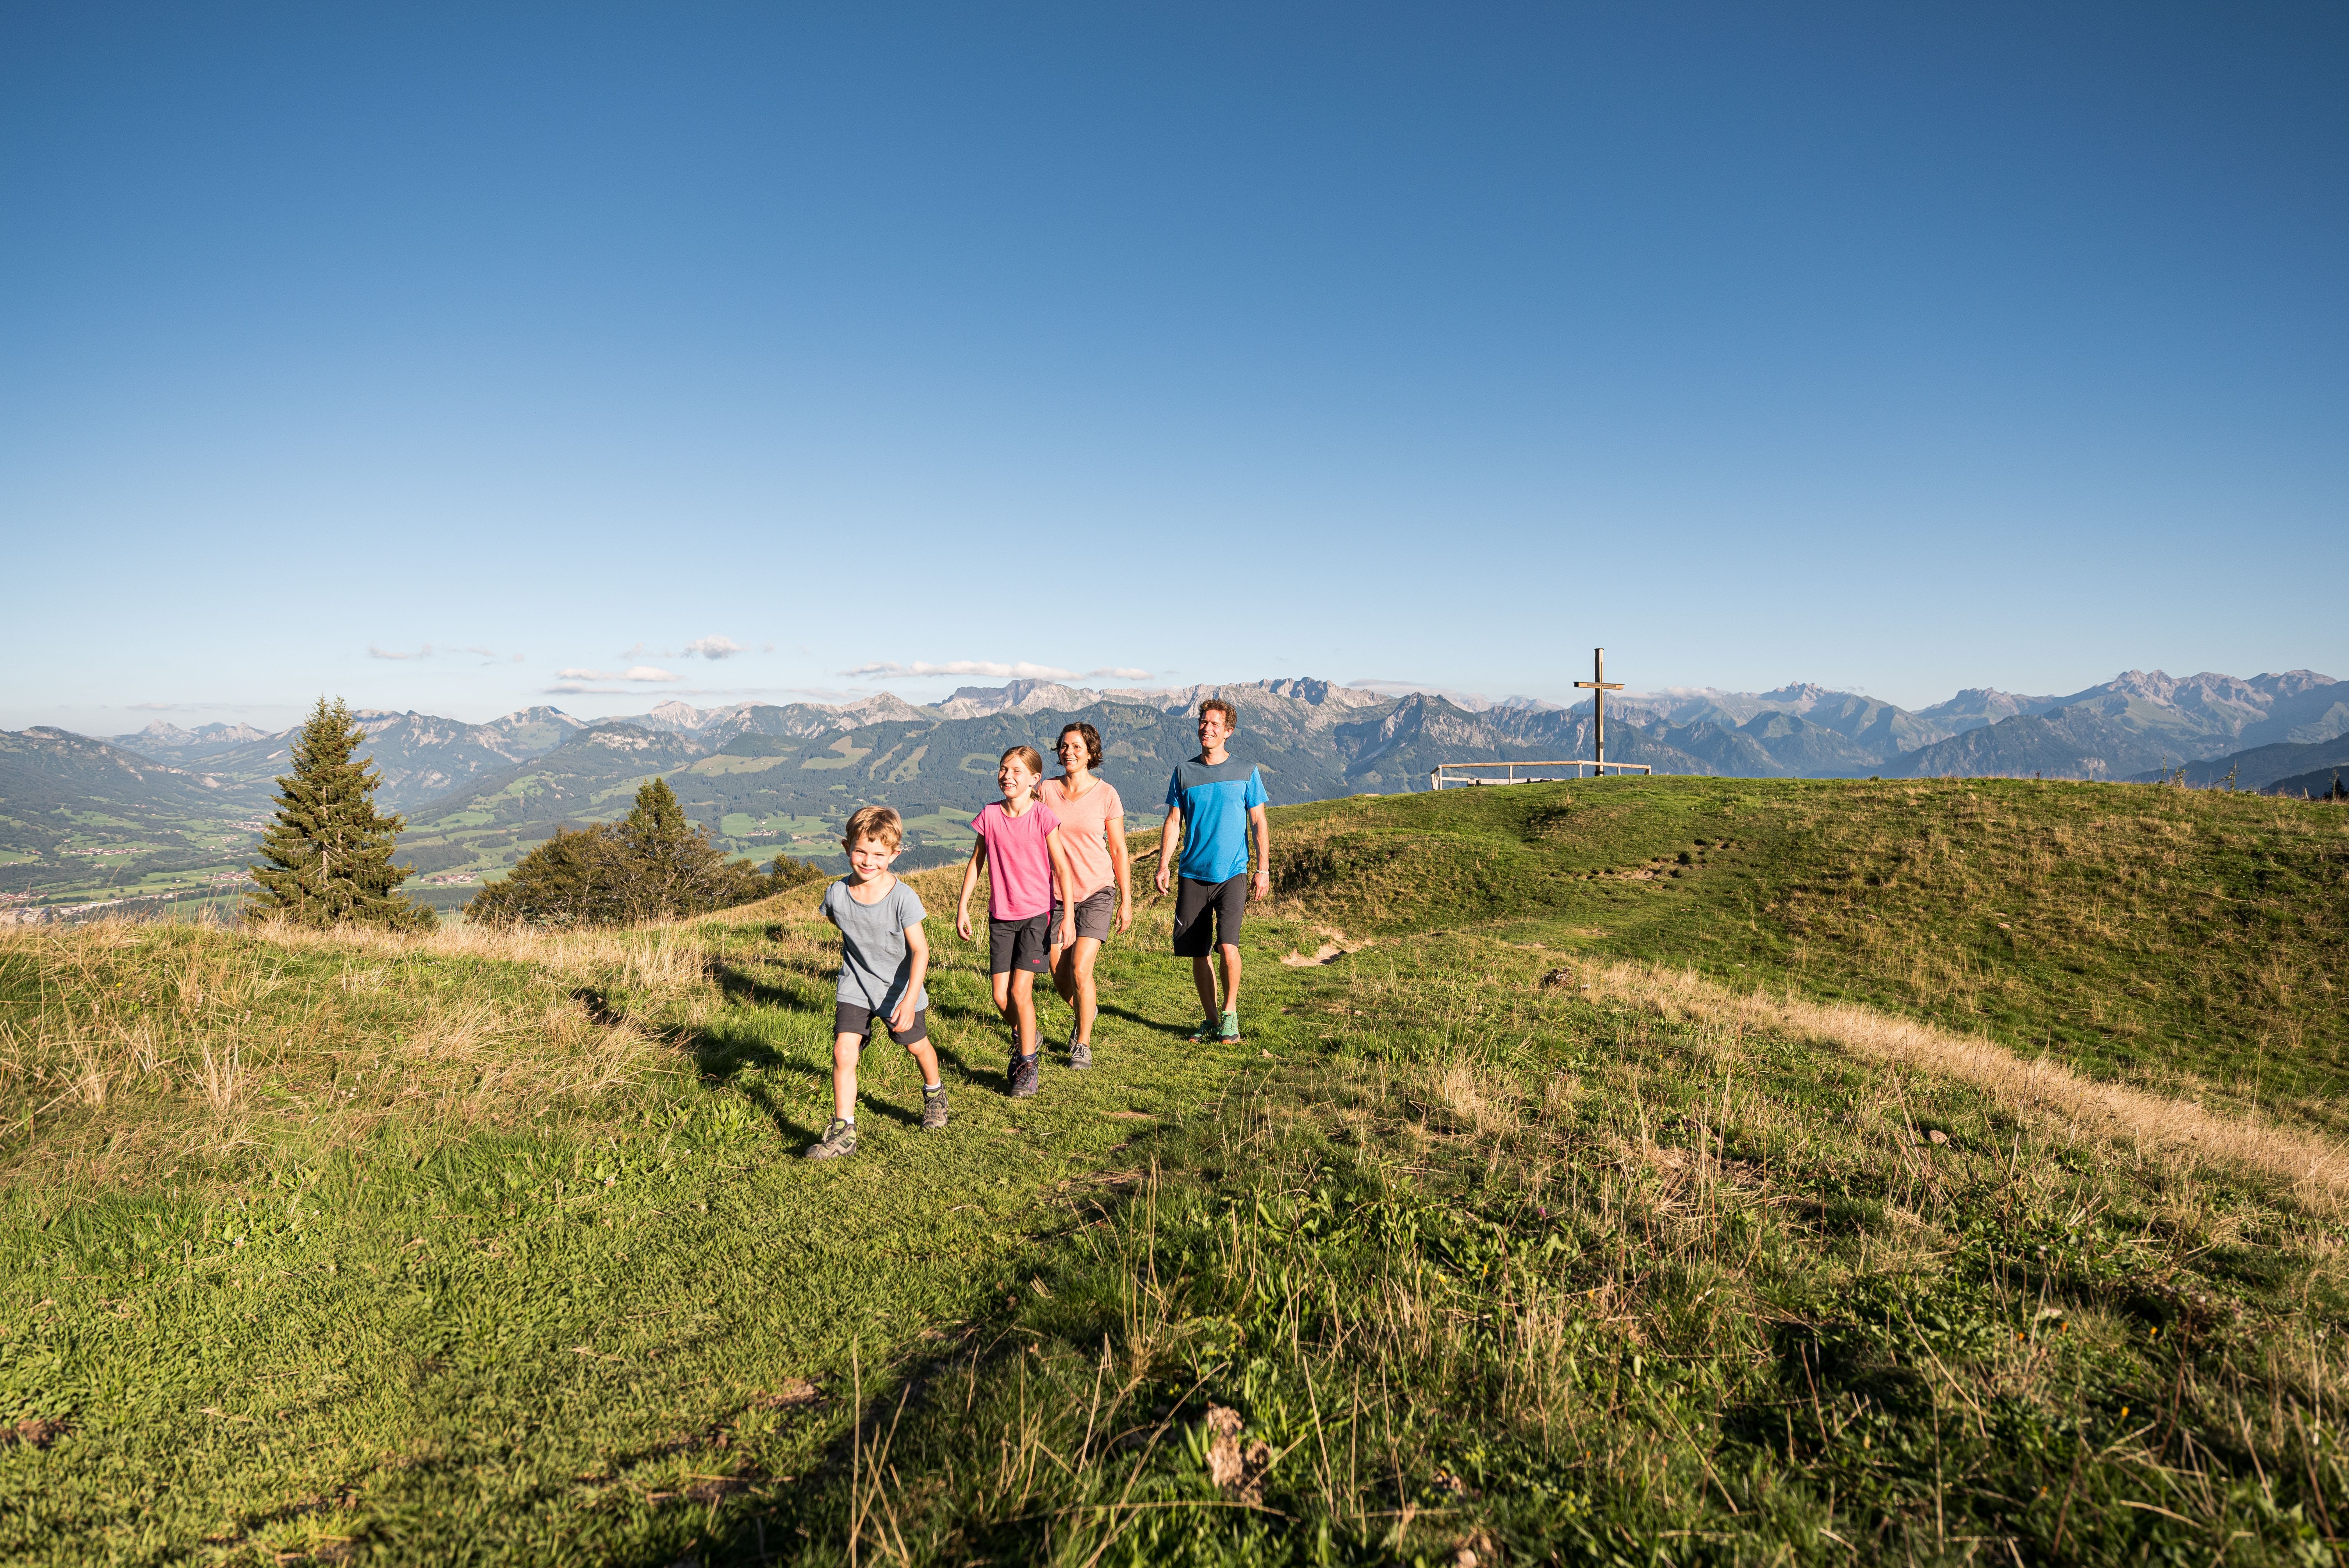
(1020, 848)
(1092, 831)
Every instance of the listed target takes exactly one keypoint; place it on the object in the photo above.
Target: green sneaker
(1228, 1031)
(839, 1139)
(1206, 1033)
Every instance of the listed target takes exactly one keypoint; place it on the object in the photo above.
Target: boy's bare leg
(1231, 977)
(1202, 975)
(845, 1048)
(925, 1056)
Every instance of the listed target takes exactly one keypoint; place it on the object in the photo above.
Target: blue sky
(1894, 348)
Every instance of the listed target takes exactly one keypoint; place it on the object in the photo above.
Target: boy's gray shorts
(848, 1018)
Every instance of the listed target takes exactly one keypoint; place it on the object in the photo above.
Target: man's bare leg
(1203, 974)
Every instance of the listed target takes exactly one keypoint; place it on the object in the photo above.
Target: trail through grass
(495, 1249)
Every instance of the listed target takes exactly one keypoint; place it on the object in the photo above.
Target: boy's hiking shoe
(1022, 1073)
(933, 1108)
(1228, 1030)
(839, 1139)
(1207, 1034)
(1080, 1054)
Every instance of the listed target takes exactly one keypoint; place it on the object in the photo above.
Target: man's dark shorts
(1195, 902)
(1013, 945)
(1096, 915)
(848, 1018)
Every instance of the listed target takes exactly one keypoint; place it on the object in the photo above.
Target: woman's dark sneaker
(839, 1139)
(1080, 1054)
(1023, 1076)
(933, 1108)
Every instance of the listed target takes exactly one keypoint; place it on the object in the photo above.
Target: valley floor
(1555, 1216)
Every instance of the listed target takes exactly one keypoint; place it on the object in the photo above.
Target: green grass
(500, 1249)
(2194, 942)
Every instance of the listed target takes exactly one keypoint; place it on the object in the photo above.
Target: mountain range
(170, 810)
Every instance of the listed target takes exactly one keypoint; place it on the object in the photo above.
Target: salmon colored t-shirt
(1084, 831)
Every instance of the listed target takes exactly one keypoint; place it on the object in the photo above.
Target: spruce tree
(330, 852)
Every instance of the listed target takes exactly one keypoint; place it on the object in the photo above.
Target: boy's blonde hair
(1027, 754)
(880, 823)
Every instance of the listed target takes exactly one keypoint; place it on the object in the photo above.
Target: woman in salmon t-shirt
(1092, 831)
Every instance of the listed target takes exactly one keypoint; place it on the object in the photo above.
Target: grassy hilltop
(1633, 1170)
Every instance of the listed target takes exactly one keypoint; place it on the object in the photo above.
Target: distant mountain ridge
(174, 806)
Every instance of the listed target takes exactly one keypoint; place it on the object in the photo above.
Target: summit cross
(1598, 686)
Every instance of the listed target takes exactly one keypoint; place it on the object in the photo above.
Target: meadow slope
(1658, 1171)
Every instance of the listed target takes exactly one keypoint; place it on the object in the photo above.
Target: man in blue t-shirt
(1212, 802)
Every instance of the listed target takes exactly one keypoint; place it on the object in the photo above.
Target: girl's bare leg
(1024, 1001)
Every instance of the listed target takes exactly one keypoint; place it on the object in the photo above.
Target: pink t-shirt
(1084, 831)
(1018, 865)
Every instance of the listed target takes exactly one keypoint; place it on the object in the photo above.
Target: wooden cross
(1598, 686)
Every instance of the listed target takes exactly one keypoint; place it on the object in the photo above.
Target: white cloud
(633, 673)
(1120, 672)
(633, 652)
(375, 652)
(1021, 671)
(580, 688)
(713, 647)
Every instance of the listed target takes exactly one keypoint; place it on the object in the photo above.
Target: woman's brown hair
(1091, 738)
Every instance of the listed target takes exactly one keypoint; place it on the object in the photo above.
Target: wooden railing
(1442, 776)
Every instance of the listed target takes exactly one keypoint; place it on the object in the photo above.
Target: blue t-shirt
(1214, 800)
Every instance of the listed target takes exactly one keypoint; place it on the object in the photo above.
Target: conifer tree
(654, 865)
(328, 855)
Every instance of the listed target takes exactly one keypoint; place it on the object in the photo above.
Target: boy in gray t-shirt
(883, 957)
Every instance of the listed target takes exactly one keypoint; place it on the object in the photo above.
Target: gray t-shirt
(875, 963)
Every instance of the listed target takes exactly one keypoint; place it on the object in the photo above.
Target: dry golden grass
(127, 1048)
(2037, 1088)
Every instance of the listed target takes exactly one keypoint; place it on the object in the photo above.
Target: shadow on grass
(918, 1408)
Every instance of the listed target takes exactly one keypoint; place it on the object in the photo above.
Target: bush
(655, 865)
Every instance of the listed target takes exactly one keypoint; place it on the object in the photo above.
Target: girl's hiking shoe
(839, 1139)
(1022, 1073)
(1080, 1054)
(933, 1108)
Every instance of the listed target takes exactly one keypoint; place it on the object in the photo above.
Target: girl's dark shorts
(848, 1018)
(1195, 902)
(1013, 945)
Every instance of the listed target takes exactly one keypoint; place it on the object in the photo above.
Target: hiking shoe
(1023, 1076)
(839, 1139)
(1206, 1033)
(1228, 1030)
(1080, 1054)
(933, 1108)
